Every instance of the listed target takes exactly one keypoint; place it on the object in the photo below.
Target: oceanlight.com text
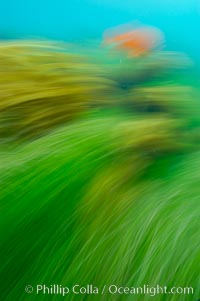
(111, 289)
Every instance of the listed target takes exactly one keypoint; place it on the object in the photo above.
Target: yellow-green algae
(43, 84)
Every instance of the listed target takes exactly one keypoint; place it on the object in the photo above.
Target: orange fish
(135, 42)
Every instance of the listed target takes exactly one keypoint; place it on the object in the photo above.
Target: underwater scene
(100, 150)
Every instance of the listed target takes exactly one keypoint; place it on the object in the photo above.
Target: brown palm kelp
(43, 85)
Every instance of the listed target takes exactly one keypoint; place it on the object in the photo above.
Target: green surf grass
(72, 212)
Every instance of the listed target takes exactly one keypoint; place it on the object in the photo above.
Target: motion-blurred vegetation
(42, 85)
(99, 171)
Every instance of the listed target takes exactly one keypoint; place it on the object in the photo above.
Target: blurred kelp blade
(44, 84)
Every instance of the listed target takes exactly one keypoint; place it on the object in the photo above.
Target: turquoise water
(79, 20)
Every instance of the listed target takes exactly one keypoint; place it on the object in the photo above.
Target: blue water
(79, 20)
